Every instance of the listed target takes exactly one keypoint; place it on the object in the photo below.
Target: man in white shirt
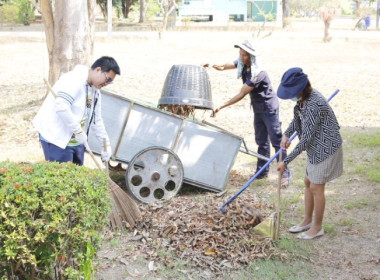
(63, 121)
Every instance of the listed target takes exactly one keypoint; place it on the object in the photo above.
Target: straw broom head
(125, 209)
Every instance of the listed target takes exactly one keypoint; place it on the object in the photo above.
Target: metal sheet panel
(207, 155)
(114, 113)
(147, 127)
(134, 126)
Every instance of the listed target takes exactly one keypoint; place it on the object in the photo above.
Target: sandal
(303, 235)
(285, 182)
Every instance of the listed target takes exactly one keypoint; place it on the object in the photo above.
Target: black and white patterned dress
(319, 136)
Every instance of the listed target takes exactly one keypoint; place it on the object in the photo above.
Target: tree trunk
(143, 8)
(125, 7)
(167, 9)
(356, 4)
(69, 29)
(327, 37)
(285, 13)
(103, 8)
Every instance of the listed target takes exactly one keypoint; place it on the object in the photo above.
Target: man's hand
(81, 137)
(106, 154)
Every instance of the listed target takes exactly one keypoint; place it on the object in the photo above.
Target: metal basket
(187, 85)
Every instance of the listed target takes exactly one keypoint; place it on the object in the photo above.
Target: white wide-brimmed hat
(246, 45)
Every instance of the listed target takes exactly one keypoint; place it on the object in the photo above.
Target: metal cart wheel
(153, 174)
(116, 166)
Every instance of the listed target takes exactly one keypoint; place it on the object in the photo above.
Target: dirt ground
(350, 63)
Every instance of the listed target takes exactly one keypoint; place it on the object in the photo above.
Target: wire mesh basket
(187, 87)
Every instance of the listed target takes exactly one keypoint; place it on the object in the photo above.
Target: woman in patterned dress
(318, 133)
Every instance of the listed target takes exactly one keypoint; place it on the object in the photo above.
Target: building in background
(230, 10)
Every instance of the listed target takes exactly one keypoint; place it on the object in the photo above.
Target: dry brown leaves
(195, 231)
(181, 110)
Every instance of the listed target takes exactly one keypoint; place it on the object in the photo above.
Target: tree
(121, 5)
(285, 13)
(266, 15)
(103, 7)
(327, 13)
(143, 9)
(167, 7)
(126, 6)
(69, 30)
(307, 7)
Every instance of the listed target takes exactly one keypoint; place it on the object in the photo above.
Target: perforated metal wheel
(117, 166)
(153, 174)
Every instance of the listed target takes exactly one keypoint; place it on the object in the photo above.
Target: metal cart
(163, 150)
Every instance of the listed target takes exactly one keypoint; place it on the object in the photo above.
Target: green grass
(292, 247)
(356, 204)
(276, 270)
(374, 174)
(258, 183)
(176, 270)
(348, 222)
(366, 139)
(330, 228)
(360, 203)
(162, 253)
(362, 154)
(115, 242)
(292, 199)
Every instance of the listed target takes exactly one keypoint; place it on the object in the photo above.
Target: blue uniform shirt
(263, 96)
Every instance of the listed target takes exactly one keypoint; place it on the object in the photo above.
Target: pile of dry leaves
(196, 231)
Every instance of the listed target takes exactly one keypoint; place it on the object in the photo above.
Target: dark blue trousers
(74, 154)
(267, 130)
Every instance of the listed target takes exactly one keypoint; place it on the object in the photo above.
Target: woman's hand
(284, 142)
(213, 115)
(218, 67)
(281, 166)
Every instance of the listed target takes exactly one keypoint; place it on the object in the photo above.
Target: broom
(270, 227)
(276, 234)
(124, 208)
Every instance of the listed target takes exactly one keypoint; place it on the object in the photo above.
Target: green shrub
(8, 13)
(152, 10)
(25, 12)
(51, 217)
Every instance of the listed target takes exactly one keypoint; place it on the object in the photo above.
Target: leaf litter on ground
(195, 231)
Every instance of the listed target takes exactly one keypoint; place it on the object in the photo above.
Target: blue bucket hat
(293, 82)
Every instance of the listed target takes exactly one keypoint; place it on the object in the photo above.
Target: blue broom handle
(246, 185)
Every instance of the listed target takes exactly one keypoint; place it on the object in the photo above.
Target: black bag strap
(92, 117)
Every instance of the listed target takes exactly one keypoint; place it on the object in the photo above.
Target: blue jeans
(267, 130)
(74, 154)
